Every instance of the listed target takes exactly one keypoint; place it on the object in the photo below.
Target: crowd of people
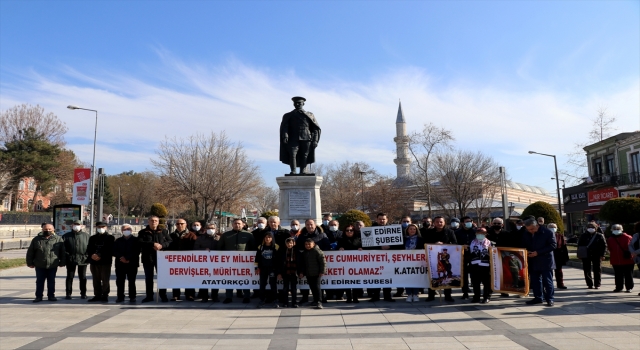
(288, 254)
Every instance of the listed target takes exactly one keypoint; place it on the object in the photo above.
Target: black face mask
(46, 233)
(426, 224)
(497, 227)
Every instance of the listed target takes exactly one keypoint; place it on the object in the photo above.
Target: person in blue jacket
(540, 243)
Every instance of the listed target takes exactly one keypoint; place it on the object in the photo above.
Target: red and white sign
(345, 269)
(81, 182)
(601, 196)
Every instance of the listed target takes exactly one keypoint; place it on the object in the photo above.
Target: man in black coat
(100, 252)
(299, 137)
(152, 239)
(540, 243)
(75, 244)
(464, 235)
(126, 251)
(374, 293)
(439, 234)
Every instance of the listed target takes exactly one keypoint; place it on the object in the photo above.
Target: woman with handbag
(591, 248)
(634, 245)
(621, 258)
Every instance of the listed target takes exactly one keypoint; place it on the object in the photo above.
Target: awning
(593, 210)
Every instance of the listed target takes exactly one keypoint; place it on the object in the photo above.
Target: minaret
(402, 145)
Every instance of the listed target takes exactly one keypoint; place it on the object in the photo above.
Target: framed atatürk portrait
(509, 271)
(444, 262)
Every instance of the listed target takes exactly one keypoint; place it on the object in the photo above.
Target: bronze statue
(299, 136)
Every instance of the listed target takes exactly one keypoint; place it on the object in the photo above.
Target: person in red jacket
(621, 259)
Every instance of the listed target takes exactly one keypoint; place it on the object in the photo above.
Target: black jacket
(258, 234)
(319, 237)
(506, 239)
(102, 245)
(544, 243)
(129, 248)
(281, 236)
(597, 248)
(148, 238)
(350, 243)
(267, 258)
(464, 237)
(446, 236)
(75, 247)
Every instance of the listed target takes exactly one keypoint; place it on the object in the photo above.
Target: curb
(605, 269)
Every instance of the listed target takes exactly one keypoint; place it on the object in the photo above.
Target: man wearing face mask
(454, 224)
(45, 254)
(100, 251)
(465, 235)
(280, 234)
(237, 240)
(519, 226)
(426, 225)
(126, 251)
(439, 234)
(596, 246)
(326, 219)
(196, 227)
(75, 246)
(334, 232)
(208, 242)
(504, 239)
(258, 236)
(183, 240)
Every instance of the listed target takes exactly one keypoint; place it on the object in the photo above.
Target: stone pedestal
(299, 199)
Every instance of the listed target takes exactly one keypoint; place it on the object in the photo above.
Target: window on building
(6, 203)
(597, 167)
(39, 205)
(21, 185)
(67, 188)
(611, 167)
(30, 203)
(19, 204)
(635, 162)
(32, 185)
(57, 189)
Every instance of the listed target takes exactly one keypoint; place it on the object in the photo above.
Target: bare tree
(602, 127)
(423, 146)
(15, 120)
(345, 186)
(463, 175)
(264, 198)
(210, 170)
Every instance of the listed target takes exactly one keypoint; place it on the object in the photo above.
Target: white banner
(377, 236)
(345, 269)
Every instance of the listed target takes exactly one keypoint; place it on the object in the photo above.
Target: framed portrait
(444, 264)
(509, 271)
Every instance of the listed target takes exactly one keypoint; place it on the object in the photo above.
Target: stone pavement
(582, 319)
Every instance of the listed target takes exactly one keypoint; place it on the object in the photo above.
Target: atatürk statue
(299, 136)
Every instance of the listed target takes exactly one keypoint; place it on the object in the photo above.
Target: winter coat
(148, 238)
(75, 247)
(597, 248)
(100, 244)
(258, 234)
(634, 247)
(319, 237)
(128, 248)
(465, 236)
(350, 243)
(46, 252)
(446, 236)
(204, 242)
(267, 257)
(617, 245)
(333, 236)
(544, 243)
(280, 236)
(183, 240)
(237, 241)
(561, 253)
(312, 262)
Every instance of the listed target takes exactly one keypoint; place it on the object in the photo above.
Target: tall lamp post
(555, 163)
(93, 165)
(563, 183)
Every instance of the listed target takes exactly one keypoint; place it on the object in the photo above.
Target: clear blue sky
(488, 70)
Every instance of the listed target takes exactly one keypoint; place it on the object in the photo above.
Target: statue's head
(298, 102)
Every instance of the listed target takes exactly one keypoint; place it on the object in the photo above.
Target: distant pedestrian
(75, 246)
(621, 259)
(45, 254)
(540, 243)
(100, 252)
(594, 245)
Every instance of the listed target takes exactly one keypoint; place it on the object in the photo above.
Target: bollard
(20, 244)
(29, 232)
(1, 246)
(13, 233)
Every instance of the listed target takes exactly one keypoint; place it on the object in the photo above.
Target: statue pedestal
(299, 199)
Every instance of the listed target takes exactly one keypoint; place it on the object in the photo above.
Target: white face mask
(295, 227)
(195, 228)
(211, 231)
(333, 228)
(553, 229)
(77, 228)
(126, 233)
(616, 232)
(325, 222)
(455, 224)
(591, 230)
(518, 227)
(261, 226)
(102, 230)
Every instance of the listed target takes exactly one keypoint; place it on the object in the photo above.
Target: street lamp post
(362, 184)
(563, 183)
(93, 164)
(555, 163)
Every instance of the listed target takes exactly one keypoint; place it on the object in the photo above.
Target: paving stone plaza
(582, 319)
